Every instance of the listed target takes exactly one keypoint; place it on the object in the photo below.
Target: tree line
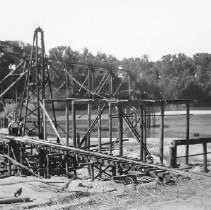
(174, 76)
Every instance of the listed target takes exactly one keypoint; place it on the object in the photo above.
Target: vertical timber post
(205, 157)
(111, 86)
(129, 87)
(89, 122)
(142, 132)
(161, 131)
(92, 172)
(9, 162)
(145, 135)
(21, 156)
(110, 115)
(110, 127)
(44, 122)
(99, 130)
(67, 163)
(48, 166)
(187, 131)
(89, 105)
(67, 122)
(74, 123)
(120, 118)
(173, 157)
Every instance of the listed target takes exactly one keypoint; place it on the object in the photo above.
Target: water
(175, 126)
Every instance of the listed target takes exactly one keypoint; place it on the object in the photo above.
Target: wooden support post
(67, 163)
(77, 139)
(129, 87)
(39, 161)
(93, 79)
(89, 107)
(100, 170)
(89, 123)
(73, 161)
(21, 157)
(161, 131)
(73, 123)
(48, 166)
(9, 162)
(111, 85)
(145, 136)
(99, 130)
(173, 157)
(187, 132)
(110, 127)
(142, 132)
(136, 120)
(68, 85)
(120, 118)
(205, 157)
(44, 122)
(92, 172)
(67, 122)
(113, 170)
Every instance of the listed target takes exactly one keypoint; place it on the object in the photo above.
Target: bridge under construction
(39, 145)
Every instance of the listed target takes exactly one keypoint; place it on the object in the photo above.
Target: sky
(122, 28)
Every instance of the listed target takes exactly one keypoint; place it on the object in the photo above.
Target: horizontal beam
(131, 102)
(191, 141)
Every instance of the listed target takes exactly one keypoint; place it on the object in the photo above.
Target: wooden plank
(191, 141)
(10, 200)
(20, 165)
(51, 122)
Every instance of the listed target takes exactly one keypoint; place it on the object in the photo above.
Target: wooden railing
(187, 142)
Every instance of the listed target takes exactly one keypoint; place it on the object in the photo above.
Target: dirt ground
(84, 194)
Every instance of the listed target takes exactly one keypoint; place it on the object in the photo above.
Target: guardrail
(187, 142)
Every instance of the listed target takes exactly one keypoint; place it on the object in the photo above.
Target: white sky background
(123, 28)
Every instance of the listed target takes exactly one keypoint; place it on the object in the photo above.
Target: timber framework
(39, 144)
